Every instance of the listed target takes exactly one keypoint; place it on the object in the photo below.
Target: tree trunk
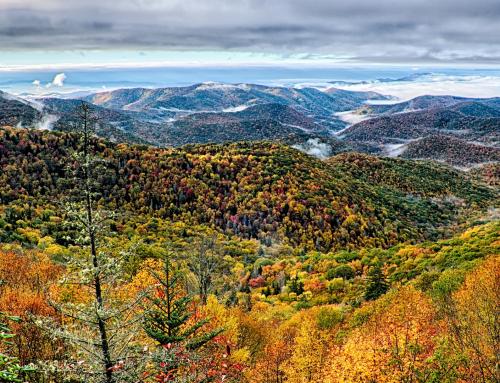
(107, 362)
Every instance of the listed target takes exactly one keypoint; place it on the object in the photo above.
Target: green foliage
(296, 286)
(377, 285)
(10, 370)
(341, 271)
(426, 280)
(329, 317)
(447, 283)
(167, 319)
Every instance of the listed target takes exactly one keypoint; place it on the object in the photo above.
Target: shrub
(341, 271)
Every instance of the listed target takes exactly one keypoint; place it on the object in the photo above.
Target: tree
(170, 311)
(205, 261)
(307, 362)
(341, 271)
(377, 285)
(270, 344)
(474, 323)
(399, 342)
(24, 279)
(296, 286)
(98, 323)
(172, 322)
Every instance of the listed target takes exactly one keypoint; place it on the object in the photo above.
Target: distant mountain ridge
(461, 131)
(210, 112)
(427, 102)
(219, 96)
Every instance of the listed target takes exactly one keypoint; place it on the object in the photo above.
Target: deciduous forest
(244, 262)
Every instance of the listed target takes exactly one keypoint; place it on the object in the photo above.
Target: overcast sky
(387, 31)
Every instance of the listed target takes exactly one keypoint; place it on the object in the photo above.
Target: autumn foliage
(249, 262)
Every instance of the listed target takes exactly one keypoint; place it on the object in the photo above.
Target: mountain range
(460, 131)
(455, 130)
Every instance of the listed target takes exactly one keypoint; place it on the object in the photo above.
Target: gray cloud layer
(381, 30)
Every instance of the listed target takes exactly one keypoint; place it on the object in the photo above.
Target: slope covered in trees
(458, 131)
(245, 262)
(299, 316)
(419, 178)
(15, 111)
(452, 150)
(413, 125)
(253, 190)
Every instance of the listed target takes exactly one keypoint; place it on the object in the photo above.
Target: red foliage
(257, 282)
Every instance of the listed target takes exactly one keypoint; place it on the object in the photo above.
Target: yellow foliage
(475, 321)
(392, 346)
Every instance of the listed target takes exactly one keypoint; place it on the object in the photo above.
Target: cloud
(36, 83)
(315, 148)
(363, 30)
(47, 122)
(58, 80)
(434, 84)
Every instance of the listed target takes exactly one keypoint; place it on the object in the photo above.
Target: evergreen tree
(101, 330)
(377, 285)
(267, 291)
(166, 321)
(276, 288)
(296, 286)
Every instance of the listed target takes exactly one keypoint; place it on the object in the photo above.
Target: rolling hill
(257, 122)
(265, 191)
(454, 151)
(448, 129)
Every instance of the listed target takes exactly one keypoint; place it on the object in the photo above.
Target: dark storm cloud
(384, 30)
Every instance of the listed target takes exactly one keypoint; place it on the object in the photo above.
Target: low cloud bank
(433, 84)
(47, 122)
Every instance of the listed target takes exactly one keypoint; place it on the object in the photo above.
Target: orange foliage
(25, 278)
(393, 345)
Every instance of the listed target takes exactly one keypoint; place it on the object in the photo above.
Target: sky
(85, 33)
(66, 46)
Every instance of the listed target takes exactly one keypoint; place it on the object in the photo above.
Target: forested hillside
(253, 190)
(244, 262)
